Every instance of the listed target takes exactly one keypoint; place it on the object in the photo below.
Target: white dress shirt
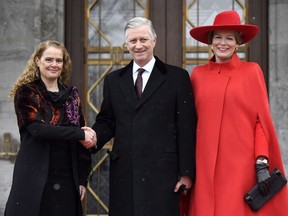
(146, 74)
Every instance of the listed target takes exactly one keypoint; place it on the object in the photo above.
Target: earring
(211, 47)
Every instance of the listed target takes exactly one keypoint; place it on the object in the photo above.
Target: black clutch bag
(256, 200)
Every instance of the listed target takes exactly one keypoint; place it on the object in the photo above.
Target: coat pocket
(113, 155)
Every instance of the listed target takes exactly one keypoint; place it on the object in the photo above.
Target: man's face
(140, 43)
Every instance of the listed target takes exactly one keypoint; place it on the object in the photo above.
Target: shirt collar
(148, 67)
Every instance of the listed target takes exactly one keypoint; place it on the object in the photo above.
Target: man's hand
(90, 138)
(183, 185)
(82, 191)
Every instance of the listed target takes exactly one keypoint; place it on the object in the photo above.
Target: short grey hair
(140, 21)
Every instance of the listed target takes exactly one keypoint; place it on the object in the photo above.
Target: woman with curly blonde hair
(52, 165)
(31, 71)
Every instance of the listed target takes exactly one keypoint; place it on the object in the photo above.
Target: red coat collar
(225, 67)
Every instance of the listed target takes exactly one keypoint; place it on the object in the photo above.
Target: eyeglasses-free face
(140, 44)
(50, 64)
(224, 45)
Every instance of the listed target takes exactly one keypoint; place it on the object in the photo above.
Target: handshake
(90, 138)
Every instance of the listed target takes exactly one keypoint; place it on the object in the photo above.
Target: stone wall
(23, 25)
(278, 71)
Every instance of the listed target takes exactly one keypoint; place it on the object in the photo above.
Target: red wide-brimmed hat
(227, 20)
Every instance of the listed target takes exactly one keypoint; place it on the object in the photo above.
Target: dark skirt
(60, 197)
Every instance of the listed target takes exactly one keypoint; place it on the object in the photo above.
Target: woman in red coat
(236, 145)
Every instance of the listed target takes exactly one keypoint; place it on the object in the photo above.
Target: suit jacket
(231, 99)
(154, 139)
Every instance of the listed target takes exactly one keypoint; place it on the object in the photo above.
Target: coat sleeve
(186, 124)
(84, 155)
(261, 144)
(265, 119)
(27, 105)
(51, 132)
(105, 120)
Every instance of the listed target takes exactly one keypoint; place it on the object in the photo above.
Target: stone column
(278, 71)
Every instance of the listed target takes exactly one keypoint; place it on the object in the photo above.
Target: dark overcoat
(154, 139)
(38, 121)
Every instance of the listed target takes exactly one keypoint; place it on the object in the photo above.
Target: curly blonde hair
(31, 70)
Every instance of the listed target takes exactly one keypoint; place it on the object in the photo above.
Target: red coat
(230, 98)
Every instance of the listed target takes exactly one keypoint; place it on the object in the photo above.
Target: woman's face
(224, 44)
(50, 64)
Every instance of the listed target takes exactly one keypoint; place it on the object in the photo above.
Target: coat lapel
(127, 87)
(126, 83)
(155, 81)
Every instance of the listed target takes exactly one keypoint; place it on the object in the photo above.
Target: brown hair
(238, 37)
(31, 70)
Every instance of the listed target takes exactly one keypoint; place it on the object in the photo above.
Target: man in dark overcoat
(154, 129)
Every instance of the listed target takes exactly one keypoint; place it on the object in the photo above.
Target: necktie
(139, 82)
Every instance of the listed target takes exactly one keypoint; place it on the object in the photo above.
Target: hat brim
(248, 32)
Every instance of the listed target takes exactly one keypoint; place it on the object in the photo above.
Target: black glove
(263, 178)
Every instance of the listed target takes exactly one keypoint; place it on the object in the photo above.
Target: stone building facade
(278, 71)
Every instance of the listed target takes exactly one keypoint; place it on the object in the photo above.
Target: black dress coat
(154, 139)
(39, 126)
